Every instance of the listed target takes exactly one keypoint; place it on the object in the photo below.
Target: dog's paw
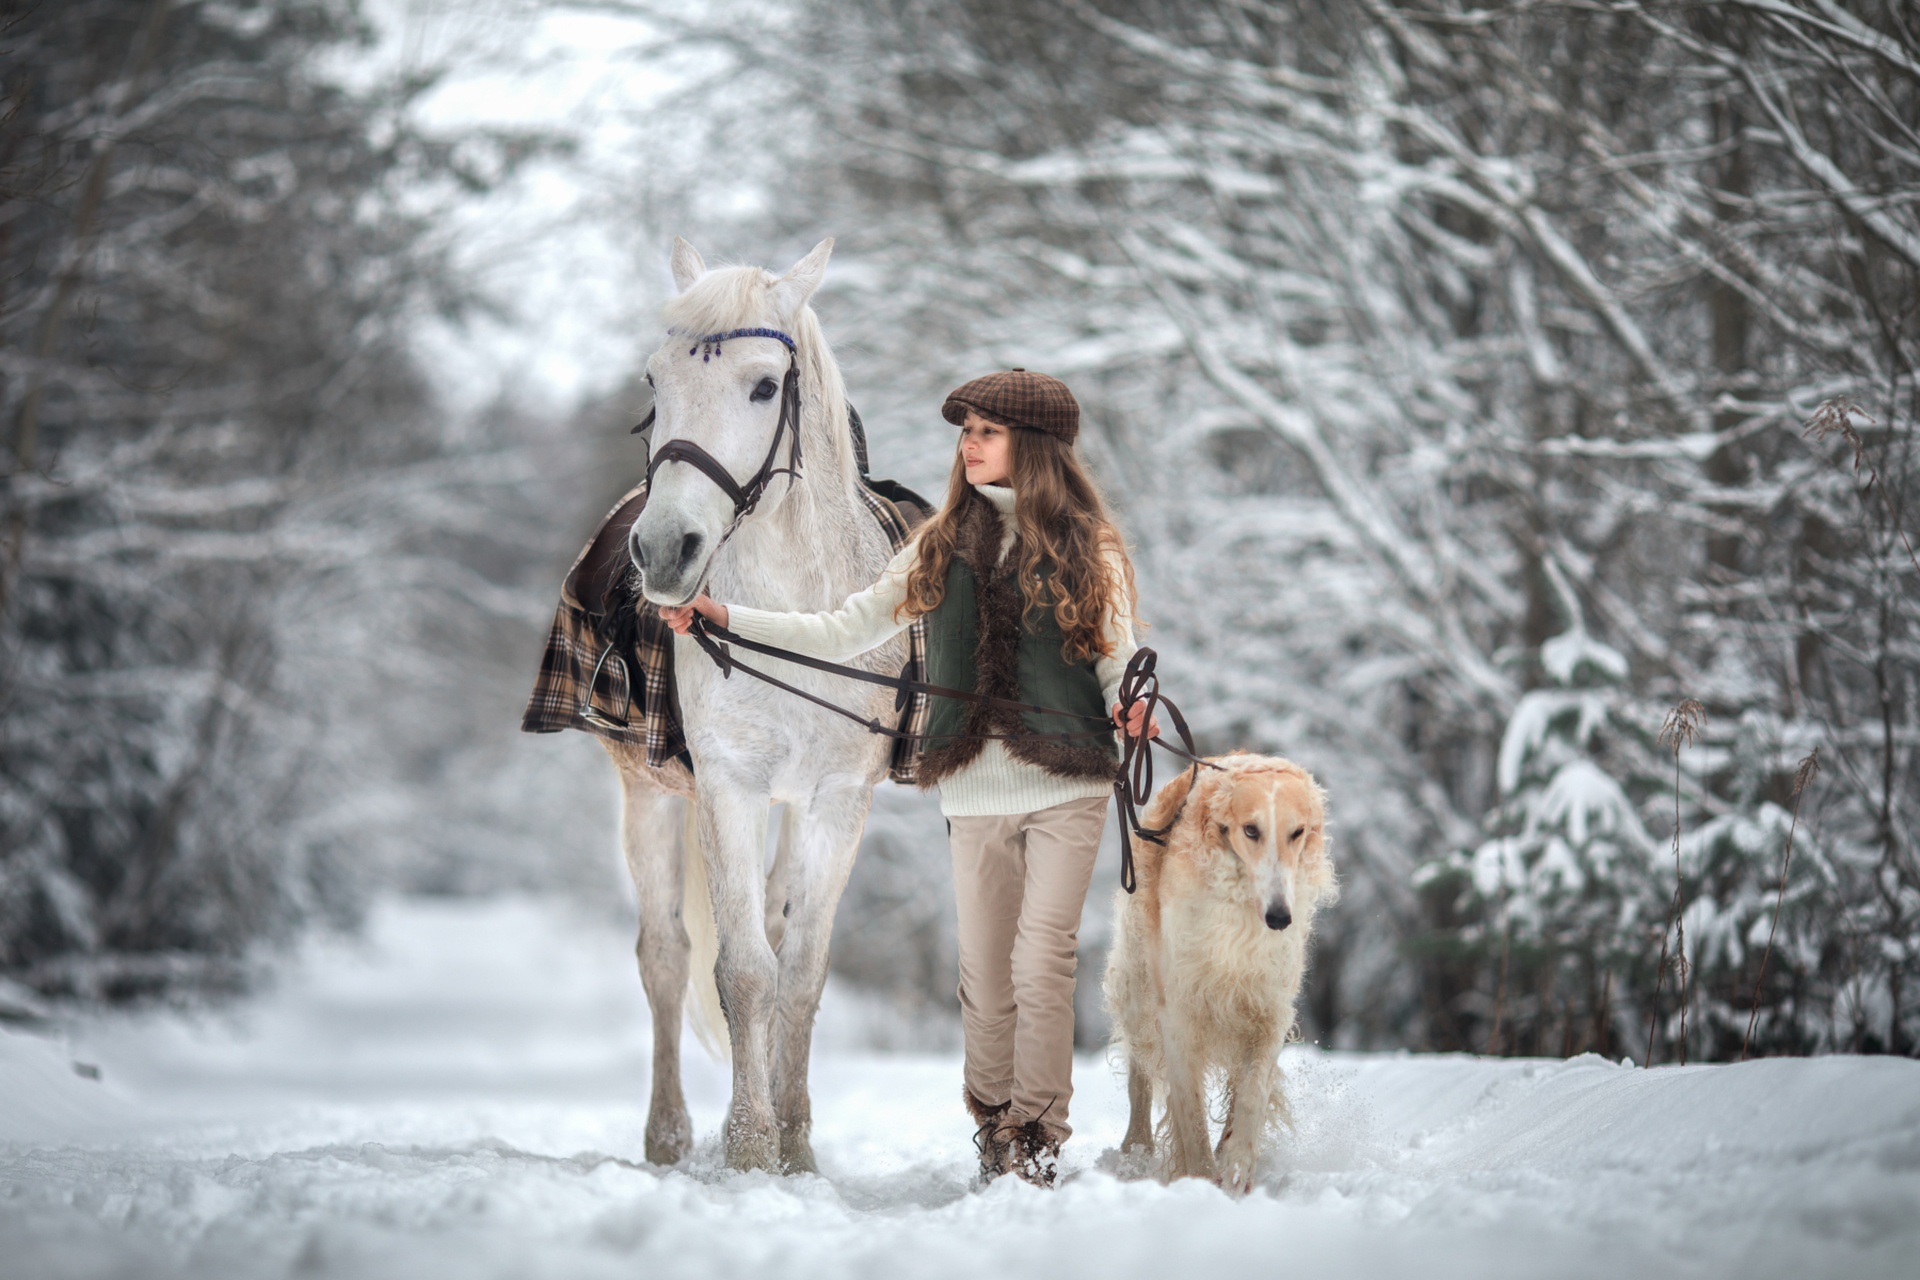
(1236, 1172)
(1234, 1182)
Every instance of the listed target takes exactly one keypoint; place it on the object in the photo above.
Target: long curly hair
(1063, 527)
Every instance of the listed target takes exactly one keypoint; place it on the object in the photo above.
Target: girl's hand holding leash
(1127, 722)
(681, 618)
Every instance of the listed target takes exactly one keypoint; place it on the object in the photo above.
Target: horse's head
(723, 403)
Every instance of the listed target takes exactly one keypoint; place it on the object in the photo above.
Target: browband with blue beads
(711, 343)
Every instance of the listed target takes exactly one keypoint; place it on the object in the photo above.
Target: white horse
(807, 544)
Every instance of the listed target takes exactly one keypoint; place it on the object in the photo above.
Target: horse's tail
(708, 1019)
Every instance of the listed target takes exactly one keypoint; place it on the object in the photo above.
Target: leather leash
(1132, 781)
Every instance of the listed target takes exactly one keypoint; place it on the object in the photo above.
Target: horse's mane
(728, 298)
(722, 299)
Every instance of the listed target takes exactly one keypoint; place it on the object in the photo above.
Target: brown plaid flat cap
(1019, 399)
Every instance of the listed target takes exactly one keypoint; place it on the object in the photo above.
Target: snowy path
(463, 1094)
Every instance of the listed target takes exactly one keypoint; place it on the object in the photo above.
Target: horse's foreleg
(733, 832)
(650, 836)
(779, 876)
(824, 841)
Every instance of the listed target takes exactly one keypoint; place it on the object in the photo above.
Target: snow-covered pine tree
(1549, 919)
(1553, 928)
(1740, 871)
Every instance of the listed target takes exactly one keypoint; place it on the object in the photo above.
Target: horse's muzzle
(670, 566)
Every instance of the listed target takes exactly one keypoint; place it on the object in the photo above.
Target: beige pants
(1020, 882)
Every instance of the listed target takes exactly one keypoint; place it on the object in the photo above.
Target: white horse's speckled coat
(809, 545)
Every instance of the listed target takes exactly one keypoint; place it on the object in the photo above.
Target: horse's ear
(791, 291)
(687, 264)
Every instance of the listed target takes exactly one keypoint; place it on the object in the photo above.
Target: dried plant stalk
(1835, 417)
(1801, 777)
(1500, 991)
(1678, 730)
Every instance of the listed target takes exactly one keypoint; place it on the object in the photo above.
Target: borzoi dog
(1208, 957)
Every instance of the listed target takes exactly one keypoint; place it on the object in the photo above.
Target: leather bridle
(746, 496)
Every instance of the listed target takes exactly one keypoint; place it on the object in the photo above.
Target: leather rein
(1132, 780)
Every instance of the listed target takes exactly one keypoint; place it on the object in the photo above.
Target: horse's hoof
(669, 1143)
(796, 1155)
(750, 1147)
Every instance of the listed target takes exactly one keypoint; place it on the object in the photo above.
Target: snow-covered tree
(1406, 333)
(1551, 915)
(236, 540)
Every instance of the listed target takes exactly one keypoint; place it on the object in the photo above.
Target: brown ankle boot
(988, 1139)
(1035, 1154)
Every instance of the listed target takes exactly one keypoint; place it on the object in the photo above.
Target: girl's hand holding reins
(1128, 722)
(681, 618)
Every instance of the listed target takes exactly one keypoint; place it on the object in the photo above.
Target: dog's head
(1268, 813)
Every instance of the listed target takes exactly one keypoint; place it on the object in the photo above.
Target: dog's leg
(1192, 1154)
(1139, 1110)
(1250, 1098)
(650, 837)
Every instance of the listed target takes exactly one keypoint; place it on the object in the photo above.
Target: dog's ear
(1213, 801)
(1168, 801)
(1314, 861)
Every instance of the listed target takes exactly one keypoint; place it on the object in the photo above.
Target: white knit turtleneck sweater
(995, 783)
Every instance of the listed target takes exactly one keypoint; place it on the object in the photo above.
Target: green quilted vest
(978, 638)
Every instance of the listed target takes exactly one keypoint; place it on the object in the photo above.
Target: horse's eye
(1252, 832)
(1297, 833)
(765, 390)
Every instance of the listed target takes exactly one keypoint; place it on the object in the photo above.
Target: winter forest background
(1479, 384)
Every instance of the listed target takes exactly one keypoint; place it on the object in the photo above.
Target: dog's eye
(766, 389)
(649, 379)
(1297, 833)
(1252, 832)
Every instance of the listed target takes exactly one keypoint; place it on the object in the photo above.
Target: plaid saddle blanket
(608, 665)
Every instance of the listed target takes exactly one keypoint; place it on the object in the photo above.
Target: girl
(1028, 595)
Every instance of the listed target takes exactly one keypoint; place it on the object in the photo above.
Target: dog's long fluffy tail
(704, 1013)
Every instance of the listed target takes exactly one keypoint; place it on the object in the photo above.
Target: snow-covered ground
(463, 1093)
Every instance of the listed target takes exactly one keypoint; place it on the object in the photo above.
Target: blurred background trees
(239, 541)
(1477, 383)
